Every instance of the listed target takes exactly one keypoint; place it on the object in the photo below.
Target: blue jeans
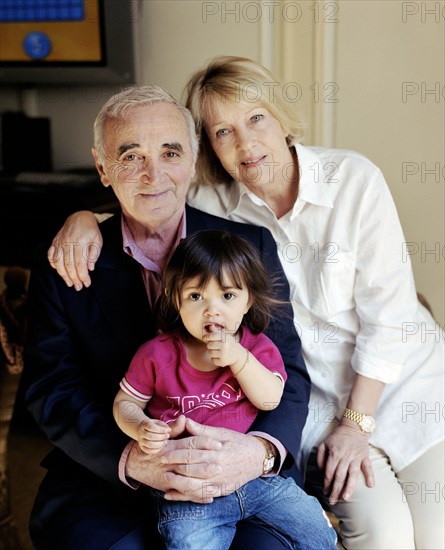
(277, 503)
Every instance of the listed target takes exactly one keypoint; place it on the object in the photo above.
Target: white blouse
(354, 300)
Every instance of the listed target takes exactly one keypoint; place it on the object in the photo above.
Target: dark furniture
(34, 205)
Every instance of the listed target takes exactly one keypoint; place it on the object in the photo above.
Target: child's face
(212, 308)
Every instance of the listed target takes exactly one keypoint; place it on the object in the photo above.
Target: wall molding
(304, 51)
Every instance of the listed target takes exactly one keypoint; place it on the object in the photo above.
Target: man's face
(148, 163)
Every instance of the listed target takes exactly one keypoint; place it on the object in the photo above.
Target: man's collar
(131, 247)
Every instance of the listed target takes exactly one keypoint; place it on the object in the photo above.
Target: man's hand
(220, 471)
(210, 463)
(75, 249)
(343, 455)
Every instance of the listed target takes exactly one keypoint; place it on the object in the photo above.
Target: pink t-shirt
(161, 376)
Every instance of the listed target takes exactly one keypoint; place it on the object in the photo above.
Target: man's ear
(101, 169)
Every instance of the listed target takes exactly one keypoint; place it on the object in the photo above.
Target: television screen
(68, 41)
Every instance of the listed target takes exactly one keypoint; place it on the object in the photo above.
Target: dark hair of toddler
(225, 257)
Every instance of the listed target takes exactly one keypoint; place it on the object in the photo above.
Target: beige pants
(403, 511)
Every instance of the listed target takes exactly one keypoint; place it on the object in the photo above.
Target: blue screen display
(27, 11)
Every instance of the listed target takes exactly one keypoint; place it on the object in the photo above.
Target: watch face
(367, 424)
(268, 464)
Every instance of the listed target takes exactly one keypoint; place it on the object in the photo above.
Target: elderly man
(81, 343)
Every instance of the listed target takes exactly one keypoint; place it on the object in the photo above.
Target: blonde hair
(241, 80)
(136, 96)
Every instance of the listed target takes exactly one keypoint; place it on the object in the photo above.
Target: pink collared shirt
(151, 272)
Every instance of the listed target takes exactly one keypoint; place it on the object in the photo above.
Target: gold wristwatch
(269, 459)
(367, 423)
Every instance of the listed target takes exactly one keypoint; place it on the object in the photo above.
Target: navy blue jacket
(80, 344)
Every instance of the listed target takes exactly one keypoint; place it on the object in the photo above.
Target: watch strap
(269, 459)
(353, 415)
(365, 422)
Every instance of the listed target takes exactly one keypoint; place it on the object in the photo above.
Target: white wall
(390, 67)
(179, 35)
(386, 60)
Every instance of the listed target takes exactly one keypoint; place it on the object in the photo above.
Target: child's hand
(224, 349)
(152, 435)
(177, 427)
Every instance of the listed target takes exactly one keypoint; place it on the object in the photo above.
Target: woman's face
(250, 144)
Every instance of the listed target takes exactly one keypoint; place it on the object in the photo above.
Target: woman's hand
(343, 455)
(75, 249)
(210, 463)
